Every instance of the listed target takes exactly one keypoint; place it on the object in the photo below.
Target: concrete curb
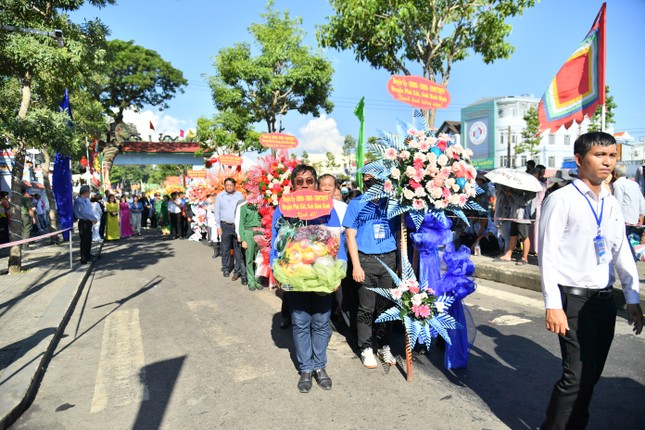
(41, 369)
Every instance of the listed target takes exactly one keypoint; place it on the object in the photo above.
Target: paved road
(160, 339)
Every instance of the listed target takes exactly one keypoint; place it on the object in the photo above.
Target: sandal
(521, 263)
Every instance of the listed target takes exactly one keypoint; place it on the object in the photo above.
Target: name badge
(379, 231)
(602, 256)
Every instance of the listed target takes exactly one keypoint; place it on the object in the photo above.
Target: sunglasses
(309, 181)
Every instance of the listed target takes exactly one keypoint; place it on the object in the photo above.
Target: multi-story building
(492, 127)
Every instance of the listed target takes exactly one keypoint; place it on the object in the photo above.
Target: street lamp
(56, 34)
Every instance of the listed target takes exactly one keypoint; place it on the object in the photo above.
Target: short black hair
(230, 180)
(329, 175)
(302, 168)
(585, 141)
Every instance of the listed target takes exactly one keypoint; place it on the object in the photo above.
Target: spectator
(97, 209)
(174, 212)
(147, 209)
(27, 215)
(519, 231)
(112, 227)
(5, 217)
(136, 211)
(225, 203)
(126, 225)
(84, 213)
(630, 200)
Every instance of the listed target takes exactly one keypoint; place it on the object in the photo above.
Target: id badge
(602, 257)
(379, 231)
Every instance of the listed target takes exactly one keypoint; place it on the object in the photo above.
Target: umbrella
(514, 179)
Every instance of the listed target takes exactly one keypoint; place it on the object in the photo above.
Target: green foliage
(284, 76)
(305, 157)
(595, 122)
(401, 35)
(138, 77)
(229, 131)
(330, 162)
(530, 138)
(349, 146)
(156, 174)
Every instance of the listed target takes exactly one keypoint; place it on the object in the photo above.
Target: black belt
(384, 253)
(227, 223)
(85, 220)
(605, 293)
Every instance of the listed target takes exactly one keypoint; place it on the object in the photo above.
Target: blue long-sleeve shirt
(225, 204)
(83, 209)
(330, 220)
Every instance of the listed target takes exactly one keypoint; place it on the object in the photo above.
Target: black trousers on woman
(175, 225)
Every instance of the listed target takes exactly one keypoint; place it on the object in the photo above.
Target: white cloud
(320, 135)
(163, 123)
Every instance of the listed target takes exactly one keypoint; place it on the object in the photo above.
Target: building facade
(492, 128)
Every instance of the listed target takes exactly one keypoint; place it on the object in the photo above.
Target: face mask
(368, 183)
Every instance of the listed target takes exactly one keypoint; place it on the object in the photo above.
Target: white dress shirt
(630, 199)
(566, 251)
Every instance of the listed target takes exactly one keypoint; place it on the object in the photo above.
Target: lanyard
(602, 207)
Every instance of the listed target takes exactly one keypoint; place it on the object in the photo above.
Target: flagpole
(602, 118)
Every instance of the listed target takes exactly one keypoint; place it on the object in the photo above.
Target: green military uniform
(249, 220)
(25, 209)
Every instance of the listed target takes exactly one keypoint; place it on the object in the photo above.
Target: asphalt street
(160, 339)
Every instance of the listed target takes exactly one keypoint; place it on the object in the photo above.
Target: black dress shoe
(244, 281)
(226, 274)
(323, 379)
(304, 383)
(285, 324)
(84, 261)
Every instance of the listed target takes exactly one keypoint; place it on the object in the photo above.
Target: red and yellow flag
(579, 86)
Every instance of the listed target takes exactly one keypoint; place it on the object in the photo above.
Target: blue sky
(189, 33)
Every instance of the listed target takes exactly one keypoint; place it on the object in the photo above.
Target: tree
(397, 35)
(284, 76)
(349, 148)
(34, 73)
(305, 157)
(229, 131)
(153, 81)
(530, 138)
(595, 122)
(330, 163)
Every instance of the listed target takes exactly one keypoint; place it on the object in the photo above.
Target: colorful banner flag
(191, 134)
(359, 111)
(579, 86)
(181, 133)
(152, 127)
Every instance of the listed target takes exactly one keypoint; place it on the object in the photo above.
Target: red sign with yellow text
(230, 160)
(419, 92)
(306, 204)
(278, 140)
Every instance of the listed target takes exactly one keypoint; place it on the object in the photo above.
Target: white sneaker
(386, 355)
(368, 358)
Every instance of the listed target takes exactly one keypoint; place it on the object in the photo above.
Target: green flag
(359, 111)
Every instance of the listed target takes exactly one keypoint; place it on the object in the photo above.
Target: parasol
(514, 179)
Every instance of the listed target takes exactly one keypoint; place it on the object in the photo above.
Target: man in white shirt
(631, 201)
(582, 240)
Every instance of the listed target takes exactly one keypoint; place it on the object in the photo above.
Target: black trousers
(584, 351)
(102, 225)
(228, 242)
(370, 304)
(85, 232)
(144, 217)
(175, 224)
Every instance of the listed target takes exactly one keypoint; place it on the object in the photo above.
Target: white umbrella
(514, 179)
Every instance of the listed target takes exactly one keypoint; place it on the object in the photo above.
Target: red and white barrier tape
(33, 239)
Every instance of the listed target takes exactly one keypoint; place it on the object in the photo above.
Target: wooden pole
(408, 347)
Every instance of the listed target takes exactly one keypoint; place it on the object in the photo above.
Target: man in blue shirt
(371, 237)
(85, 215)
(225, 204)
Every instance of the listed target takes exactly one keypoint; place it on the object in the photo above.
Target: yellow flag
(191, 134)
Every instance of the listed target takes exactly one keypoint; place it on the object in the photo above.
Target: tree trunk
(54, 221)
(15, 253)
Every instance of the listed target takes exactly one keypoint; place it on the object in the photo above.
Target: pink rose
(414, 184)
(417, 204)
(396, 293)
(387, 186)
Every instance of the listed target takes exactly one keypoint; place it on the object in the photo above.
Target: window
(551, 139)
(503, 161)
(501, 139)
(523, 160)
(567, 139)
(551, 162)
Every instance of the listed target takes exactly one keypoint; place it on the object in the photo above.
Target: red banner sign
(418, 92)
(306, 204)
(230, 160)
(278, 140)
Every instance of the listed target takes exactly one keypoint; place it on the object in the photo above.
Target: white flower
(414, 144)
(436, 193)
(455, 188)
(410, 171)
(404, 155)
(419, 156)
(396, 173)
(420, 192)
(396, 293)
(408, 193)
(442, 160)
(432, 158)
(450, 182)
(440, 306)
(454, 199)
(417, 299)
(440, 204)
(287, 189)
(269, 176)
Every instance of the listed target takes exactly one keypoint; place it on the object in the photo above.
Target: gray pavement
(34, 308)
(36, 305)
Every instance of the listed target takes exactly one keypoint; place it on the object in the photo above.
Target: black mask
(368, 183)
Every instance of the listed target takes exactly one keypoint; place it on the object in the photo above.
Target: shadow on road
(14, 351)
(283, 338)
(160, 379)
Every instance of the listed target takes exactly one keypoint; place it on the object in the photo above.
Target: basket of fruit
(307, 258)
